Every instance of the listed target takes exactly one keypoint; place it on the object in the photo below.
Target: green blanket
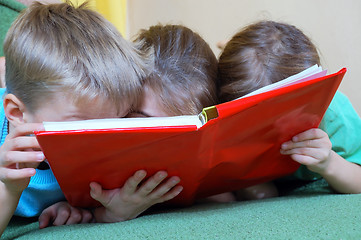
(307, 212)
(9, 10)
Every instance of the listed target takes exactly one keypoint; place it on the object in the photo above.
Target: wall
(333, 25)
(113, 10)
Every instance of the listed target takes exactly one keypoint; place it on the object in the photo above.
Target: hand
(219, 198)
(312, 148)
(62, 213)
(131, 200)
(256, 192)
(19, 156)
(222, 44)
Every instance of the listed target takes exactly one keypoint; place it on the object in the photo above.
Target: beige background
(333, 25)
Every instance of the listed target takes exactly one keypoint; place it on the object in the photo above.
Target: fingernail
(40, 157)
(141, 174)
(32, 172)
(175, 180)
(162, 174)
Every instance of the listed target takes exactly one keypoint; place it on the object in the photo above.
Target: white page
(188, 120)
(306, 74)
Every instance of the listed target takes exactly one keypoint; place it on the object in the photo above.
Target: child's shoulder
(340, 109)
(340, 98)
(341, 119)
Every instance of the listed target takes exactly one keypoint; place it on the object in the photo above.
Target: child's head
(261, 54)
(183, 81)
(60, 51)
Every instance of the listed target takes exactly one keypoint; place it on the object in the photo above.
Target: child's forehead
(97, 106)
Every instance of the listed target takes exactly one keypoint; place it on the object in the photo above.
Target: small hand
(19, 156)
(222, 44)
(312, 148)
(62, 213)
(131, 200)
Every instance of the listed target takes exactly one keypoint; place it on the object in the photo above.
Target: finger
(46, 217)
(62, 215)
(27, 143)
(315, 143)
(310, 134)
(99, 194)
(86, 216)
(131, 185)
(171, 194)
(152, 183)
(13, 157)
(222, 44)
(26, 129)
(75, 216)
(304, 159)
(7, 174)
(164, 188)
(96, 191)
(315, 153)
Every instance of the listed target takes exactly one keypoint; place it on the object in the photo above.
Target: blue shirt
(43, 189)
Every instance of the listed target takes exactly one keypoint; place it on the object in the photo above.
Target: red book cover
(237, 149)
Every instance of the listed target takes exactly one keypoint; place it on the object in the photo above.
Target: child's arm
(313, 148)
(17, 165)
(62, 213)
(128, 202)
(8, 203)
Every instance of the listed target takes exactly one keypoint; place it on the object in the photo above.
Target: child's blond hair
(62, 48)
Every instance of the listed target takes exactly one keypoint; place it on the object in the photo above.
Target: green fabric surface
(9, 10)
(307, 212)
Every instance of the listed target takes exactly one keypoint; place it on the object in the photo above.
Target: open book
(196, 120)
(226, 147)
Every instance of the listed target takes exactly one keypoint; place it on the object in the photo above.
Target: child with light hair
(65, 63)
(267, 52)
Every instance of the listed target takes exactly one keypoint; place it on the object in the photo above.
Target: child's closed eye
(137, 115)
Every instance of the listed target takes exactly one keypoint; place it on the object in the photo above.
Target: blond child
(65, 63)
(267, 52)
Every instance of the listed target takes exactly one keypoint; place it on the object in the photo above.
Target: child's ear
(14, 109)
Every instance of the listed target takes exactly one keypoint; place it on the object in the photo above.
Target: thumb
(96, 192)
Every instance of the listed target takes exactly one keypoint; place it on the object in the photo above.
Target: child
(185, 69)
(266, 52)
(184, 78)
(65, 63)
